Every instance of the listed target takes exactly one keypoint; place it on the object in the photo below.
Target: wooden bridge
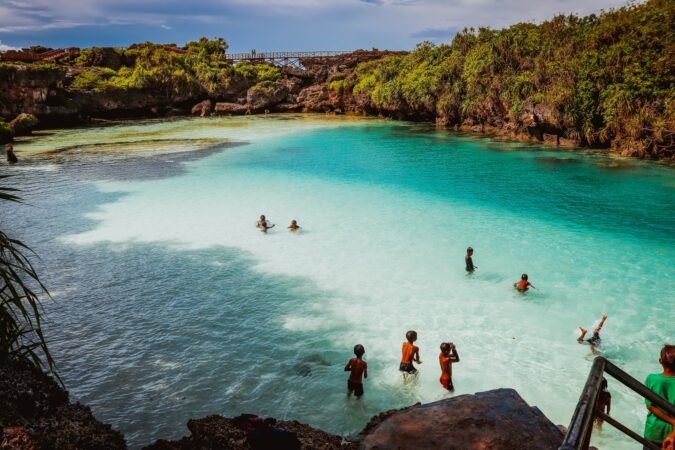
(281, 58)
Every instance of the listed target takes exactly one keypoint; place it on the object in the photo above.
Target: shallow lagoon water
(169, 305)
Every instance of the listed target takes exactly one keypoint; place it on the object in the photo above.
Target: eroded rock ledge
(35, 414)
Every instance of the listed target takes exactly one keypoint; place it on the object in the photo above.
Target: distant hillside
(605, 80)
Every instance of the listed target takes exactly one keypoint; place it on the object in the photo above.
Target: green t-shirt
(656, 429)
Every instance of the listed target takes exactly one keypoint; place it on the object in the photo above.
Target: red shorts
(447, 383)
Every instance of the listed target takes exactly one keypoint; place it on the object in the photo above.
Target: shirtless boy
(469, 260)
(410, 353)
(358, 368)
(448, 356)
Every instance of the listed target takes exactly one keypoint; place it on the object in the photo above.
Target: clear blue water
(169, 305)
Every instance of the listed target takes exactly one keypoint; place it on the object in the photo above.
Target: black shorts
(356, 388)
(407, 367)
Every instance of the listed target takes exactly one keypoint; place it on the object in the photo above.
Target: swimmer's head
(667, 359)
(445, 348)
(262, 216)
(359, 350)
(294, 222)
(469, 250)
(411, 336)
(523, 276)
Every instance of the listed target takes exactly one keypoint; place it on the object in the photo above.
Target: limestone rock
(203, 108)
(24, 124)
(266, 94)
(248, 432)
(495, 420)
(230, 108)
(315, 98)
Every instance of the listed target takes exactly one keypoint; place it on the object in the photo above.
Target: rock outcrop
(495, 420)
(248, 432)
(24, 124)
(36, 414)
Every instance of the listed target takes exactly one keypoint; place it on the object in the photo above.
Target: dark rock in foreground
(250, 432)
(495, 420)
(35, 414)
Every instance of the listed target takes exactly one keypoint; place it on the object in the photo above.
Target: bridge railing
(579, 432)
(282, 55)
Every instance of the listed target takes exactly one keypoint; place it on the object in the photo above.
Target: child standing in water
(469, 261)
(523, 284)
(448, 356)
(262, 224)
(659, 426)
(410, 353)
(358, 368)
(9, 151)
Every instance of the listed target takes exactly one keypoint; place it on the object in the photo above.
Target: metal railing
(282, 55)
(578, 435)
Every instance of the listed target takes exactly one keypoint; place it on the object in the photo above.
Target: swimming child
(595, 339)
(448, 356)
(659, 426)
(294, 225)
(262, 224)
(11, 157)
(469, 261)
(410, 353)
(523, 284)
(358, 367)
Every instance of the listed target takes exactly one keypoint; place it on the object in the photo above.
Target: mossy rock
(24, 124)
(6, 132)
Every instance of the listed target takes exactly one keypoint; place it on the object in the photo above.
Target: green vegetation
(6, 132)
(20, 310)
(199, 69)
(595, 78)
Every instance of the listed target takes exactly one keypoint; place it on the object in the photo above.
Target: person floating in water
(594, 340)
(523, 285)
(294, 225)
(469, 260)
(448, 356)
(11, 157)
(659, 427)
(262, 224)
(358, 368)
(410, 353)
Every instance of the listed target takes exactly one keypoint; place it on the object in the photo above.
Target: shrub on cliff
(600, 78)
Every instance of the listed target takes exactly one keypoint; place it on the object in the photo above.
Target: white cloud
(4, 47)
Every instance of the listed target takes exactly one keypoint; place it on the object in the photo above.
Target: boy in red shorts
(358, 368)
(448, 356)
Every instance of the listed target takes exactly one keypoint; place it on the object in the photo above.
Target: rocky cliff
(35, 414)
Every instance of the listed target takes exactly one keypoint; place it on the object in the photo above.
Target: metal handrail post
(582, 420)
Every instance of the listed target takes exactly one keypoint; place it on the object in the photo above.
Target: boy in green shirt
(659, 425)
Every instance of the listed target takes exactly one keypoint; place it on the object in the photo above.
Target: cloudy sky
(267, 24)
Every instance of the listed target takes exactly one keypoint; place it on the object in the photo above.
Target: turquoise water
(170, 305)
